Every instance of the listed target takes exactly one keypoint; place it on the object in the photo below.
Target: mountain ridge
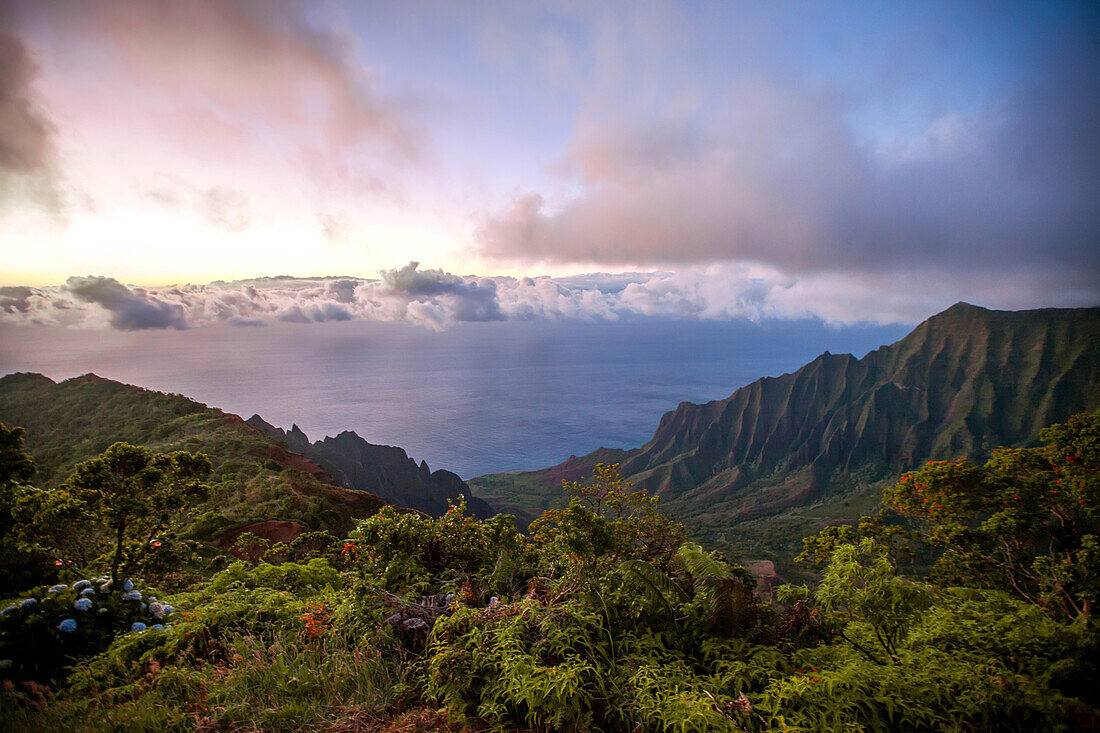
(962, 382)
(255, 479)
(384, 470)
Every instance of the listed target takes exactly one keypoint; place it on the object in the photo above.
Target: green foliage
(602, 620)
(122, 504)
(50, 628)
(860, 584)
(19, 568)
(414, 554)
(253, 477)
(16, 467)
(1028, 522)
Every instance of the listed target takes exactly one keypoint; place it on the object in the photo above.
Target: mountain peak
(962, 308)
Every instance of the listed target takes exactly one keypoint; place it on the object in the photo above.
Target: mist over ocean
(474, 399)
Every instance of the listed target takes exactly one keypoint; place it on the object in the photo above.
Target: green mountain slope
(256, 479)
(784, 455)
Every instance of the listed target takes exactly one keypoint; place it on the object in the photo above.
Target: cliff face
(386, 471)
(962, 383)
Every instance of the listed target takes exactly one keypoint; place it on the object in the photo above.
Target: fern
(659, 588)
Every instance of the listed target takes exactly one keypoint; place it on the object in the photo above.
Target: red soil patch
(292, 460)
(276, 530)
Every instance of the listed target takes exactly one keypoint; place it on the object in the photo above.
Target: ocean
(477, 398)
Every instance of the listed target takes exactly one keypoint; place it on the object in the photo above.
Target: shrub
(46, 631)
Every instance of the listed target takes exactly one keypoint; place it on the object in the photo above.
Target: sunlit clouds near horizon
(843, 161)
(436, 300)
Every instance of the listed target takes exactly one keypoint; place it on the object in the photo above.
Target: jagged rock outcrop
(384, 470)
(962, 383)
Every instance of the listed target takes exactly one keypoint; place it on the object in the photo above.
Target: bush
(46, 631)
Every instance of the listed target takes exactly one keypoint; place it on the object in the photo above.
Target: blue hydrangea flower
(28, 602)
(83, 604)
(132, 595)
(168, 608)
(157, 609)
(137, 626)
(158, 627)
(8, 610)
(128, 585)
(88, 592)
(82, 584)
(59, 586)
(68, 626)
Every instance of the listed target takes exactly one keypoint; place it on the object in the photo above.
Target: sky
(176, 163)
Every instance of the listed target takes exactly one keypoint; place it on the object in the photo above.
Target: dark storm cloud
(130, 309)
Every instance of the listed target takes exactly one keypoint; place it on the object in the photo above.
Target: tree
(1026, 522)
(16, 467)
(605, 517)
(118, 505)
(18, 569)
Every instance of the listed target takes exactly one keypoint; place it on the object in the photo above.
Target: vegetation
(253, 478)
(777, 459)
(967, 607)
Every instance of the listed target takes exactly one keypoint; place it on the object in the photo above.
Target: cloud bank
(437, 300)
(778, 170)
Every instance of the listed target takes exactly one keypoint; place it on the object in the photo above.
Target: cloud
(24, 131)
(27, 154)
(438, 300)
(130, 309)
(15, 299)
(243, 100)
(774, 171)
(466, 299)
(271, 57)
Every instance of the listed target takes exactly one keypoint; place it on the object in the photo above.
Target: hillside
(255, 478)
(381, 469)
(787, 454)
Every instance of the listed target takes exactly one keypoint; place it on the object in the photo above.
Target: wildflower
(8, 610)
(58, 563)
(137, 626)
(68, 626)
(82, 584)
(56, 588)
(132, 595)
(28, 602)
(87, 592)
(83, 604)
(128, 585)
